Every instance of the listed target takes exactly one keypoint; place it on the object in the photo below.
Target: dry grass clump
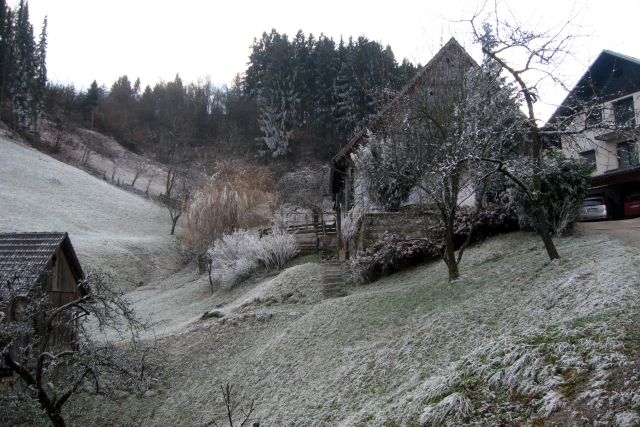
(238, 195)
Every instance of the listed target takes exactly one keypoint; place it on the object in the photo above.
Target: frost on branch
(234, 257)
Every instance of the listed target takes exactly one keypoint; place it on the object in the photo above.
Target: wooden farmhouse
(40, 259)
(445, 70)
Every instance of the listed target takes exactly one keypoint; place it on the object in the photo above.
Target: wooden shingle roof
(29, 253)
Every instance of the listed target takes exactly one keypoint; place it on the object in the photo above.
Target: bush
(565, 183)
(276, 248)
(234, 257)
(392, 253)
(237, 196)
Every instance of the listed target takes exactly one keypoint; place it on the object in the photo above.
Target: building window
(589, 157)
(624, 114)
(594, 116)
(628, 154)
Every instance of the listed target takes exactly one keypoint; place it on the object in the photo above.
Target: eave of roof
(29, 253)
(567, 99)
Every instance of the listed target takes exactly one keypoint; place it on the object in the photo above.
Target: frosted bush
(234, 257)
(276, 248)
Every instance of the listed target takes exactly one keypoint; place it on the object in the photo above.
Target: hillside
(110, 228)
(515, 340)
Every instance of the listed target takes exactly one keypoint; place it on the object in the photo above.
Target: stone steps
(334, 285)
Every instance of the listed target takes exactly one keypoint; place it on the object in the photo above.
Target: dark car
(632, 204)
(594, 207)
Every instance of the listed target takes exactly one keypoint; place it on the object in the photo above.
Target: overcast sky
(155, 39)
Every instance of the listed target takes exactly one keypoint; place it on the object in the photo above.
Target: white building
(598, 121)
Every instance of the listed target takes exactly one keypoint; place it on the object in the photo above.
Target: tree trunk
(450, 250)
(452, 267)
(545, 234)
(56, 419)
(541, 220)
(174, 221)
(52, 412)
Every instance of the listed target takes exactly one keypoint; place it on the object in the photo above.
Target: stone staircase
(334, 285)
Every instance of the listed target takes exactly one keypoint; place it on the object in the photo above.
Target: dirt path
(627, 231)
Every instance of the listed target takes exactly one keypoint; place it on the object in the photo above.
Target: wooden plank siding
(47, 260)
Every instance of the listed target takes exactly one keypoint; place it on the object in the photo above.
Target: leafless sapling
(233, 413)
(139, 168)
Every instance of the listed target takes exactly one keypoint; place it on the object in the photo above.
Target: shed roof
(29, 253)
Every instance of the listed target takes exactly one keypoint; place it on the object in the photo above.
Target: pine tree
(90, 102)
(6, 49)
(39, 83)
(24, 49)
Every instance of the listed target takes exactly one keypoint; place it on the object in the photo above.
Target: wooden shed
(41, 259)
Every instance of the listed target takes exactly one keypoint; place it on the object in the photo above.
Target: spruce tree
(39, 83)
(24, 49)
(90, 102)
(6, 45)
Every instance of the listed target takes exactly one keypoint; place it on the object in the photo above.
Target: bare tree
(232, 409)
(306, 188)
(86, 153)
(170, 181)
(527, 58)
(431, 140)
(51, 371)
(139, 168)
(114, 170)
(178, 204)
(149, 181)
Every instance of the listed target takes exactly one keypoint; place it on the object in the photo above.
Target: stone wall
(409, 225)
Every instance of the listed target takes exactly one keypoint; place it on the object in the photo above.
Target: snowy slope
(109, 228)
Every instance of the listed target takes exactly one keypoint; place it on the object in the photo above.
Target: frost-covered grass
(109, 228)
(517, 336)
(178, 301)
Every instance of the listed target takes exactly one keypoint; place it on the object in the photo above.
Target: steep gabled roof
(452, 46)
(29, 254)
(610, 76)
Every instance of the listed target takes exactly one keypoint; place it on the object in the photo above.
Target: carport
(615, 185)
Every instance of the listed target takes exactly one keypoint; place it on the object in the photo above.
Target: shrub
(234, 257)
(392, 253)
(237, 196)
(276, 248)
(565, 183)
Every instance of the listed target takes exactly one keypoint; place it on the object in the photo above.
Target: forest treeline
(299, 98)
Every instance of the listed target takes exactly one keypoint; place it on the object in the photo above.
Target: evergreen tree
(39, 83)
(90, 102)
(22, 85)
(6, 49)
